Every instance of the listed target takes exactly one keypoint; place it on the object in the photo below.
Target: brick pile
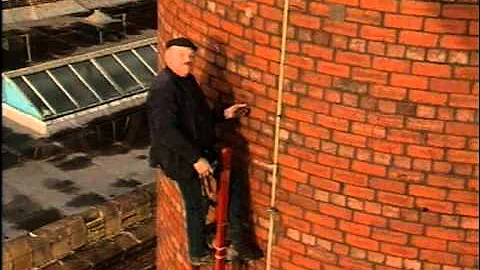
(379, 133)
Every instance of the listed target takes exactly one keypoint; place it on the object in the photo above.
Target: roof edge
(80, 57)
(37, 127)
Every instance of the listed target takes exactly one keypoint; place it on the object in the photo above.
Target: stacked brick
(379, 132)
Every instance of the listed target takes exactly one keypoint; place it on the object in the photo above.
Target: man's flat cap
(182, 42)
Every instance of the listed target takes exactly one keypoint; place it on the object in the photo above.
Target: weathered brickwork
(379, 132)
(170, 225)
(92, 239)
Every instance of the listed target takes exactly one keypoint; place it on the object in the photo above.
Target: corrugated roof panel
(41, 11)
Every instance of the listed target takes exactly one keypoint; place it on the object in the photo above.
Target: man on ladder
(182, 144)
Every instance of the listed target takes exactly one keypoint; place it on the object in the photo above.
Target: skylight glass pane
(36, 101)
(136, 66)
(72, 84)
(96, 80)
(149, 55)
(51, 92)
(118, 73)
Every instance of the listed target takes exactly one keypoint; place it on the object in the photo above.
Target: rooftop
(69, 35)
(45, 180)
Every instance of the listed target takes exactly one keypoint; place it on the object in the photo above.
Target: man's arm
(163, 111)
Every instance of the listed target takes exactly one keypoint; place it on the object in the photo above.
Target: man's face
(180, 60)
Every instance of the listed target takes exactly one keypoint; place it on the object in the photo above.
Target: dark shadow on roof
(27, 214)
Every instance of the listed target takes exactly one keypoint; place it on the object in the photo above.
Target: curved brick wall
(170, 224)
(379, 139)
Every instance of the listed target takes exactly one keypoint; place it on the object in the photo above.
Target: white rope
(272, 209)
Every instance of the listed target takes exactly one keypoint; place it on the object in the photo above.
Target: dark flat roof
(68, 178)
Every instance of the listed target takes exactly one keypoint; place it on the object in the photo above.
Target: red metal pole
(222, 208)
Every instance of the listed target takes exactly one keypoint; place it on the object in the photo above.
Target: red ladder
(221, 209)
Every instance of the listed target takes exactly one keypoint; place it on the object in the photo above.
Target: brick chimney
(378, 156)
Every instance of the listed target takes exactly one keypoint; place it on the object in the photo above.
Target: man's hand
(203, 168)
(236, 110)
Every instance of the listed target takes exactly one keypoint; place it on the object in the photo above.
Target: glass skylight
(73, 84)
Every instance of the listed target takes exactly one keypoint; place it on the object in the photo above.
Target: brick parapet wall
(97, 236)
(379, 137)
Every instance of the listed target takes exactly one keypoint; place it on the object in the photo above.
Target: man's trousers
(196, 206)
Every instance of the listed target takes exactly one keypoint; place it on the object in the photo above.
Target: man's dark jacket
(181, 124)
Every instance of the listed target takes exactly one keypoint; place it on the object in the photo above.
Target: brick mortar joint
(46, 241)
(102, 244)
